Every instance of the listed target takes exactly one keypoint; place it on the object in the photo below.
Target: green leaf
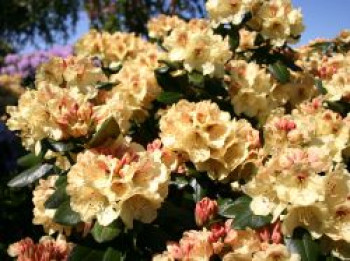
(105, 233)
(29, 160)
(234, 39)
(196, 78)
(61, 146)
(81, 253)
(30, 175)
(240, 211)
(162, 70)
(320, 87)
(108, 129)
(57, 198)
(199, 191)
(61, 181)
(170, 65)
(302, 244)
(105, 85)
(169, 97)
(112, 255)
(64, 215)
(280, 72)
(342, 107)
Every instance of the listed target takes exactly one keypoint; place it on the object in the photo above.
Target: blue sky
(323, 18)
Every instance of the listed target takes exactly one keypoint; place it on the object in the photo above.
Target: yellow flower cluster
(335, 72)
(275, 20)
(136, 89)
(67, 103)
(118, 180)
(304, 174)
(160, 26)
(196, 45)
(250, 88)
(208, 137)
(227, 243)
(111, 49)
(310, 124)
(50, 112)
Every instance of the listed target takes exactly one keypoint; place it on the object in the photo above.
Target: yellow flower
(208, 137)
(118, 180)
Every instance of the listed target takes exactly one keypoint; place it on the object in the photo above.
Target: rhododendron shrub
(214, 140)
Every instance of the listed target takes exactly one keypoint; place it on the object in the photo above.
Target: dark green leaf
(234, 39)
(105, 85)
(302, 244)
(57, 198)
(105, 233)
(29, 160)
(112, 255)
(82, 253)
(240, 211)
(199, 191)
(180, 182)
(197, 79)
(61, 146)
(342, 107)
(64, 215)
(61, 181)
(169, 97)
(171, 65)
(280, 72)
(108, 129)
(162, 70)
(320, 86)
(29, 176)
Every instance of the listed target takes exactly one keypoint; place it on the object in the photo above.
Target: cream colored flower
(47, 249)
(208, 137)
(50, 112)
(275, 252)
(44, 216)
(278, 21)
(250, 89)
(228, 11)
(160, 26)
(72, 73)
(199, 50)
(300, 88)
(311, 218)
(111, 49)
(246, 40)
(118, 180)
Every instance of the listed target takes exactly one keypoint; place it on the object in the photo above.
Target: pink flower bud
(206, 209)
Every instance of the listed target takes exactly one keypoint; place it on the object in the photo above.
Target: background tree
(32, 20)
(132, 16)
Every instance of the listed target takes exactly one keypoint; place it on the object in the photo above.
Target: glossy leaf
(105, 233)
(169, 97)
(105, 85)
(240, 211)
(320, 87)
(112, 255)
(29, 176)
(302, 244)
(29, 160)
(108, 129)
(61, 146)
(280, 72)
(64, 215)
(57, 198)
